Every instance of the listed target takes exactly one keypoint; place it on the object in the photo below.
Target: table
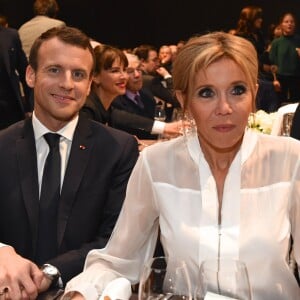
(56, 294)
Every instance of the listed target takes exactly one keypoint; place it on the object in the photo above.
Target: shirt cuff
(158, 127)
(167, 76)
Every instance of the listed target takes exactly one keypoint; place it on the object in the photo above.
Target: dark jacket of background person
(283, 55)
(100, 162)
(13, 63)
(132, 123)
(124, 103)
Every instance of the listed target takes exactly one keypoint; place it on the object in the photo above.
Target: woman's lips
(224, 127)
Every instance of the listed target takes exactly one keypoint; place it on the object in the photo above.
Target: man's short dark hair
(142, 52)
(66, 34)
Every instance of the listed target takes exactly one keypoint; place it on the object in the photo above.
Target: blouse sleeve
(133, 240)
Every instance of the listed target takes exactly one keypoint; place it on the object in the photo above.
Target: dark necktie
(139, 101)
(49, 198)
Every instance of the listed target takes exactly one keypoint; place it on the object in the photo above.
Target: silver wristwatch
(51, 272)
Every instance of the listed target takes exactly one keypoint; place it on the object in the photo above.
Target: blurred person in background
(285, 55)
(165, 57)
(109, 82)
(45, 12)
(14, 91)
(249, 26)
(156, 79)
(138, 101)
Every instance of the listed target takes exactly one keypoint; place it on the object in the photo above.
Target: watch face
(51, 270)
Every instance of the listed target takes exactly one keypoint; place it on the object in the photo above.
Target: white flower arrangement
(262, 121)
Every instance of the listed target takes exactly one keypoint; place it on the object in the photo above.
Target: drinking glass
(223, 279)
(164, 279)
(287, 123)
(160, 115)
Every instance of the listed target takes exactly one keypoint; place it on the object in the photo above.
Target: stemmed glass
(164, 279)
(223, 279)
(287, 123)
(160, 115)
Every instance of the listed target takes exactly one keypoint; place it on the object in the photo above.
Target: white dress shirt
(42, 148)
(172, 187)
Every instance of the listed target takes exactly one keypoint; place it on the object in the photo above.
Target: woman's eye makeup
(239, 89)
(205, 92)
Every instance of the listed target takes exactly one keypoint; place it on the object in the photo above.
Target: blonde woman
(219, 192)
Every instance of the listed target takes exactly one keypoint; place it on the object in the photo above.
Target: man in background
(139, 101)
(45, 12)
(14, 102)
(156, 79)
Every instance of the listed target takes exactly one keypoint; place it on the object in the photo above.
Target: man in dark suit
(95, 164)
(156, 78)
(13, 63)
(140, 102)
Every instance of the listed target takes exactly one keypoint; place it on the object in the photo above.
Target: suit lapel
(81, 149)
(27, 162)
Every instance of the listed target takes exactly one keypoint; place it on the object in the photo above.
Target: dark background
(127, 24)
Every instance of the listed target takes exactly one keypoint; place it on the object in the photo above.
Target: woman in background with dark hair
(250, 27)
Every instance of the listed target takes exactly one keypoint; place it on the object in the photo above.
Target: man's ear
(30, 76)
(96, 79)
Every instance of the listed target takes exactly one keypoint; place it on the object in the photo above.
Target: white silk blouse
(172, 187)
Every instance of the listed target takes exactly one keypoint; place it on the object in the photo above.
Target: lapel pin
(82, 147)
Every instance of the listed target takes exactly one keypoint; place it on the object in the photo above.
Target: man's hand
(163, 72)
(18, 276)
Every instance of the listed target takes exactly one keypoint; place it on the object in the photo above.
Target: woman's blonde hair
(200, 52)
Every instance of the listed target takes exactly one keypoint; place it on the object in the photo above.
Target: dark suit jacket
(100, 163)
(154, 85)
(115, 117)
(12, 58)
(126, 104)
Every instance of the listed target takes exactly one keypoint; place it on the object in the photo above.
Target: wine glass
(164, 279)
(160, 115)
(221, 278)
(287, 123)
